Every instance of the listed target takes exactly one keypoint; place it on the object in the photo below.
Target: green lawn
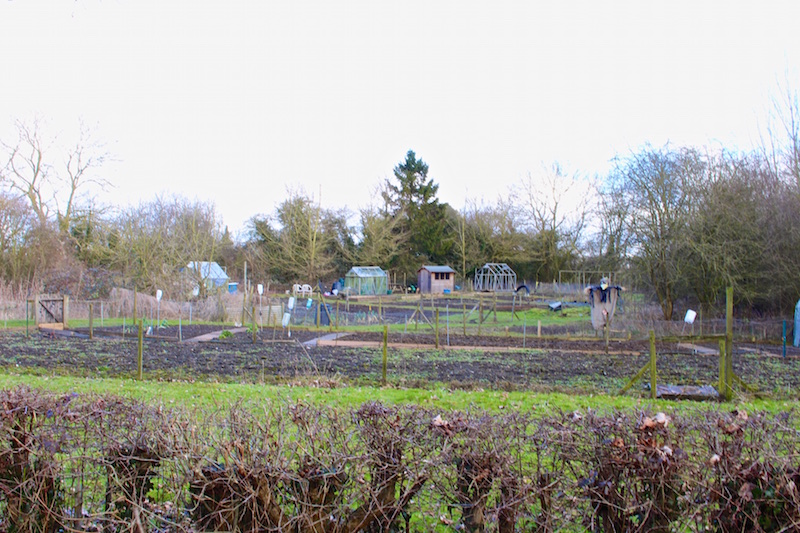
(210, 394)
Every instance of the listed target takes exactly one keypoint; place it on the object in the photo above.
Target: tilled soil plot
(488, 362)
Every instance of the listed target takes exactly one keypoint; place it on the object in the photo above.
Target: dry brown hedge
(92, 463)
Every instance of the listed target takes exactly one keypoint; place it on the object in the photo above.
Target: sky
(239, 102)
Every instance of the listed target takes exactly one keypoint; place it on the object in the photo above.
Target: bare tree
(50, 178)
(382, 237)
(26, 170)
(780, 144)
(659, 188)
(296, 244)
(555, 208)
(153, 242)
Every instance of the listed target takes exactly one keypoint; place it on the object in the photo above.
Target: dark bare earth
(486, 361)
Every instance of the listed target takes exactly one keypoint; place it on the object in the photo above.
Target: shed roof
(208, 269)
(437, 268)
(367, 272)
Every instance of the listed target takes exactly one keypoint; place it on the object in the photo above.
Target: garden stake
(539, 329)
(180, 330)
(784, 339)
(91, 321)
(523, 329)
(480, 315)
(140, 349)
(134, 305)
(385, 344)
(337, 316)
(436, 329)
(447, 323)
(464, 315)
(652, 364)
(721, 387)
(255, 327)
(729, 343)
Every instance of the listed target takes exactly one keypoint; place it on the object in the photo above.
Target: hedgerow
(103, 463)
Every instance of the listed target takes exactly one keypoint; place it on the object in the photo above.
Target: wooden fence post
(653, 384)
(140, 352)
(385, 350)
(729, 343)
(436, 314)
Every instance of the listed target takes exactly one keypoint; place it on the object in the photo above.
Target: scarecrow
(603, 300)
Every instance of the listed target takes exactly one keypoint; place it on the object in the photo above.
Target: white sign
(290, 305)
(260, 288)
(690, 316)
(159, 294)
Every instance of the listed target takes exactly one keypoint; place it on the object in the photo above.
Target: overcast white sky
(234, 101)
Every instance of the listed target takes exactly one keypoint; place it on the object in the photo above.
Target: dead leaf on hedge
(647, 423)
(442, 424)
(714, 459)
(740, 414)
(661, 419)
(446, 521)
(746, 492)
(730, 429)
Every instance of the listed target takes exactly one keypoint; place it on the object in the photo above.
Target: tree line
(681, 223)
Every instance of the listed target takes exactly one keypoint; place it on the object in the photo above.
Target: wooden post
(255, 324)
(729, 343)
(652, 364)
(539, 329)
(66, 311)
(91, 321)
(140, 352)
(513, 306)
(722, 387)
(319, 313)
(480, 314)
(134, 305)
(385, 350)
(337, 316)
(464, 317)
(436, 328)
(524, 320)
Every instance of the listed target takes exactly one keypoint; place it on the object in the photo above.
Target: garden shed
(495, 277)
(366, 280)
(436, 279)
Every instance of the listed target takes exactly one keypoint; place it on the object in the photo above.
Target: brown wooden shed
(436, 279)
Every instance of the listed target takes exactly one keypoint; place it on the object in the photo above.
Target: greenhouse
(366, 280)
(495, 277)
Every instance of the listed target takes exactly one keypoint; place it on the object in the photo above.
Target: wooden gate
(51, 311)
